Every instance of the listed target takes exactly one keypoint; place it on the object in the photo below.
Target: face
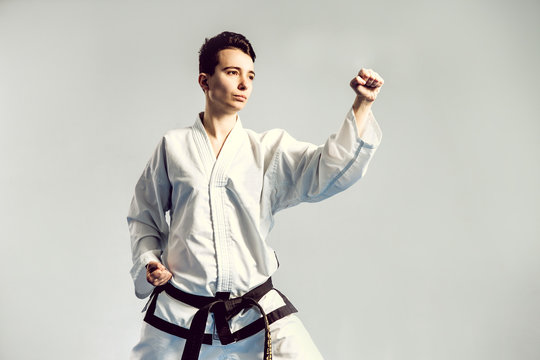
(229, 88)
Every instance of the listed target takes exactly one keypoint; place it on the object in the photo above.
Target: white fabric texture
(221, 210)
(290, 340)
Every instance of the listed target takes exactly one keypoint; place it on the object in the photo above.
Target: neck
(218, 124)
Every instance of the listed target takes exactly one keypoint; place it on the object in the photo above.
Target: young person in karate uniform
(208, 267)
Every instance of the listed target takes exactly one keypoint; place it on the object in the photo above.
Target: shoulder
(270, 139)
(177, 133)
(177, 137)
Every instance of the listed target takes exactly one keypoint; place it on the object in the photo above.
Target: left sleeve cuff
(372, 135)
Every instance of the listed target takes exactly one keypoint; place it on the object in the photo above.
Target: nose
(243, 83)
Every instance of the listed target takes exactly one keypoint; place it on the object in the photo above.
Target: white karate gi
(221, 211)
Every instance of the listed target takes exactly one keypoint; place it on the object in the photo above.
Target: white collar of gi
(199, 124)
(231, 145)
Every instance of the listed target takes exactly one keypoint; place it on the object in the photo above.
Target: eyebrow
(238, 68)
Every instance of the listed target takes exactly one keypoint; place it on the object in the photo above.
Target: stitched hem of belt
(223, 309)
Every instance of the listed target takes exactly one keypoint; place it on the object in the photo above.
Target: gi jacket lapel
(216, 169)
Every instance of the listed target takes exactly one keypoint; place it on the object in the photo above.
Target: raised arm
(307, 173)
(366, 85)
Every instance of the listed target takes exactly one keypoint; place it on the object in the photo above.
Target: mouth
(240, 98)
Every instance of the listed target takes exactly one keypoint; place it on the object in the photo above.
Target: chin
(238, 107)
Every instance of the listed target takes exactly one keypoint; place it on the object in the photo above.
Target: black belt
(223, 309)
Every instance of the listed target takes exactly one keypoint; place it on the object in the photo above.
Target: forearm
(361, 108)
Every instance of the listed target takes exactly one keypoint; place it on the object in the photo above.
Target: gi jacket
(221, 210)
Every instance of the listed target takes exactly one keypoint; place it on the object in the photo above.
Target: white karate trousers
(290, 340)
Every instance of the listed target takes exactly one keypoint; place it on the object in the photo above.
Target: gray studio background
(433, 255)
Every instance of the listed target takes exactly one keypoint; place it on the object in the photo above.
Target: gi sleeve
(308, 173)
(146, 218)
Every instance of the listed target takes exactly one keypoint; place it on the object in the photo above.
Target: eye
(232, 72)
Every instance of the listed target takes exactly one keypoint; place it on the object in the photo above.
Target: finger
(150, 279)
(155, 266)
(378, 80)
(151, 276)
(156, 280)
(376, 83)
(359, 81)
(159, 282)
(156, 274)
(364, 73)
(152, 266)
(371, 79)
(356, 83)
(165, 276)
(162, 274)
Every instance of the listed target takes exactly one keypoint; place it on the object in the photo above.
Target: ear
(203, 82)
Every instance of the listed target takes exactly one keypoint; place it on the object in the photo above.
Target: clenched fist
(367, 84)
(157, 274)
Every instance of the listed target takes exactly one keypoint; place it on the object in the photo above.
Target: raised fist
(367, 84)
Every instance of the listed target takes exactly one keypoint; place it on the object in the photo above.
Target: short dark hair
(208, 55)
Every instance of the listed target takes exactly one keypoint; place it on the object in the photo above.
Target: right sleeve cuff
(138, 273)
